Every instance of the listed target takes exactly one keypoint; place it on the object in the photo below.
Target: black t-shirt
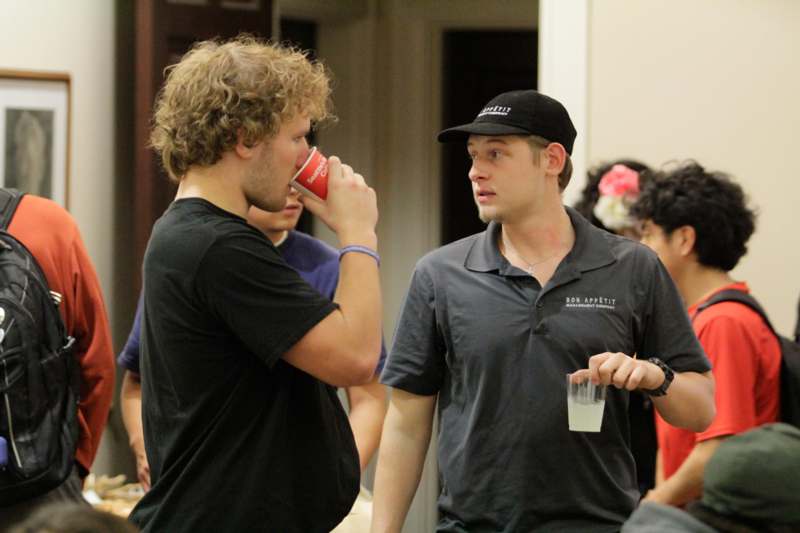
(496, 347)
(237, 439)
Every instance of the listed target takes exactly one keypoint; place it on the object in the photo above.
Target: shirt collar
(592, 249)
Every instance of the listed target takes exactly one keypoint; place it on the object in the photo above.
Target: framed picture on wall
(35, 133)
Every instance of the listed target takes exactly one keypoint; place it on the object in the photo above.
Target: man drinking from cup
(242, 428)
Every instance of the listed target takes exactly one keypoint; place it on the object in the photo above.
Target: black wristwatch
(669, 375)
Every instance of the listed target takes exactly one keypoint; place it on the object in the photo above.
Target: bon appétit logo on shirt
(591, 302)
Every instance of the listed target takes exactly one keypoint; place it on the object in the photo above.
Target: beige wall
(76, 37)
(714, 80)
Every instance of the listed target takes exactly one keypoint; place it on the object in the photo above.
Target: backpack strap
(9, 200)
(733, 295)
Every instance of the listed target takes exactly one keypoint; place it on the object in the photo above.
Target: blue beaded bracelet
(362, 250)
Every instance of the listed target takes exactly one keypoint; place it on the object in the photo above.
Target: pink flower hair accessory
(619, 181)
(619, 188)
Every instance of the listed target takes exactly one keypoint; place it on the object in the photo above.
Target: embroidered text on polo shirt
(590, 302)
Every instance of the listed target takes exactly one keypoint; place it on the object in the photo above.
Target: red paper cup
(312, 177)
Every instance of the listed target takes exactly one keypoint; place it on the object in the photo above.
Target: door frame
(564, 73)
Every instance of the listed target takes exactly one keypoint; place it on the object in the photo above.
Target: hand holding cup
(624, 372)
(350, 207)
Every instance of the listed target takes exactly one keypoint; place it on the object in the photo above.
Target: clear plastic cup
(585, 402)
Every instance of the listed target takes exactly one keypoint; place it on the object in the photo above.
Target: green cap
(756, 475)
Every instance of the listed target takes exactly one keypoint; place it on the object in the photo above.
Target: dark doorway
(478, 65)
(302, 34)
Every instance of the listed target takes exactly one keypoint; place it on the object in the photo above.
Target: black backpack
(39, 376)
(790, 355)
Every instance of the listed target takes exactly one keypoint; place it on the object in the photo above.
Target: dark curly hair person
(710, 202)
(699, 222)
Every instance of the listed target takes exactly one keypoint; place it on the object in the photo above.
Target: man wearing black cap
(493, 323)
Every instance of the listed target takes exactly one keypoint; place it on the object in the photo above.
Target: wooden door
(164, 30)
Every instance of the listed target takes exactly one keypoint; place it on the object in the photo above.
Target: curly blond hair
(222, 89)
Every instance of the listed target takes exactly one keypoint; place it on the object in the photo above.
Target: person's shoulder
(45, 212)
(305, 253)
(596, 240)
(628, 249)
(732, 323)
(451, 253)
(730, 315)
(642, 260)
(446, 263)
(205, 221)
(45, 227)
(314, 245)
(195, 230)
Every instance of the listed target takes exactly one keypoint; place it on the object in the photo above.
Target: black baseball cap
(525, 112)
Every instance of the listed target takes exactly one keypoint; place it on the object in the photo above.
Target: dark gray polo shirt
(496, 348)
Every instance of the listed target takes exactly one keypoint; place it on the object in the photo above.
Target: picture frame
(35, 129)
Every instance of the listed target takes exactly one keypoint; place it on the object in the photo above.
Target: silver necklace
(529, 267)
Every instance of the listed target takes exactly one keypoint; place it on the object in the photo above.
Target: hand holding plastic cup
(585, 402)
(312, 177)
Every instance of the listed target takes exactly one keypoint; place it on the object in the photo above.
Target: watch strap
(669, 375)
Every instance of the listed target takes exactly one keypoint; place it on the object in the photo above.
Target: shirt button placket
(540, 328)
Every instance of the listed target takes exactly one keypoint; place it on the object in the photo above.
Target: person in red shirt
(53, 238)
(698, 223)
